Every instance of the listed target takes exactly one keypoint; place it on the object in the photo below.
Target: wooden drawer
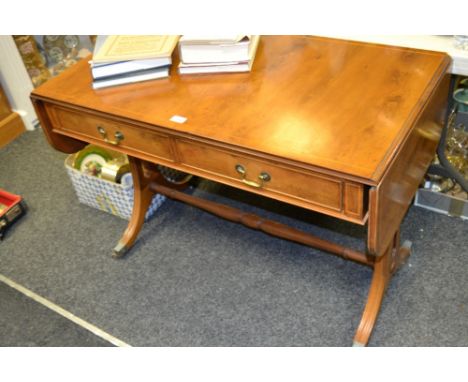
(135, 139)
(303, 188)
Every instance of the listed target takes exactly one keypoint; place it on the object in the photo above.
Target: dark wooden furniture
(11, 124)
(344, 128)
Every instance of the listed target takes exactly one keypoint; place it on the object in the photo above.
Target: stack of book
(121, 59)
(222, 54)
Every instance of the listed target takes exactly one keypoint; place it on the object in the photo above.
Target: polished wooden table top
(312, 100)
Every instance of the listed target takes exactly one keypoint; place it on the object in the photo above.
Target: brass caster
(119, 251)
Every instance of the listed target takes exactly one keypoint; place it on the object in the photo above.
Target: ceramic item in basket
(114, 169)
(91, 159)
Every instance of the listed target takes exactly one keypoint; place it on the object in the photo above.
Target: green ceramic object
(90, 150)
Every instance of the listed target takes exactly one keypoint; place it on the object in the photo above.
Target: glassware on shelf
(47, 56)
(34, 60)
(64, 51)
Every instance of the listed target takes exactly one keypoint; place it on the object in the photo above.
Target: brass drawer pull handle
(118, 136)
(263, 177)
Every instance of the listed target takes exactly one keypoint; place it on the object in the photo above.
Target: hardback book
(222, 67)
(114, 48)
(127, 78)
(206, 49)
(243, 66)
(211, 39)
(103, 70)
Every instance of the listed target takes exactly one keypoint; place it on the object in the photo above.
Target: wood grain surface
(338, 105)
(11, 124)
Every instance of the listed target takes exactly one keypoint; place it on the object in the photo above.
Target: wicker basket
(114, 198)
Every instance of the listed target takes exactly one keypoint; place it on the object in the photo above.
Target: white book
(228, 68)
(208, 50)
(211, 39)
(224, 67)
(107, 70)
(132, 78)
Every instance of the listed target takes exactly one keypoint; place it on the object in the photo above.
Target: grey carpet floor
(195, 280)
(24, 322)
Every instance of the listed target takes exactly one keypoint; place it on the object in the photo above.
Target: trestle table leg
(384, 267)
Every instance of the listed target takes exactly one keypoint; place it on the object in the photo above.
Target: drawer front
(298, 187)
(136, 139)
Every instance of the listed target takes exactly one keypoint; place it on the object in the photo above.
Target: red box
(12, 207)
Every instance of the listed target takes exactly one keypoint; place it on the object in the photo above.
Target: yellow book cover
(135, 47)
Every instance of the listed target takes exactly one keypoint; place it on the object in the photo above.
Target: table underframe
(148, 181)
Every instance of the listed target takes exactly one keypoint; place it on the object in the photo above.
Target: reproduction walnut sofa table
(343, 128)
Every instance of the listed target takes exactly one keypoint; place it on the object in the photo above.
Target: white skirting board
(16, 82)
